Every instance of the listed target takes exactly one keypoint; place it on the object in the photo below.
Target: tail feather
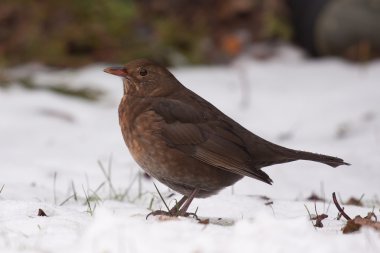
(328, 160)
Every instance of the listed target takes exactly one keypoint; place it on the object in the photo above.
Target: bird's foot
(160, 212)
(172, 214)
(179, 210)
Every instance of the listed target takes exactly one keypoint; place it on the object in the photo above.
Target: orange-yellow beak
(117, 71)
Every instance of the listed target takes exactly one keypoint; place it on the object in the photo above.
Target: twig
(310, 218)
(139, 177)
(67, 199)
(151, 203)
(108, 178)
(374, 215)
(361, 197)
(159, 193)
(94, 195)
(319, 218)
(175, 205)
(74, 191)
(315, 209)
(328, 207)
(371, 215)
(323, 194)
(54, 187)
(340, 209)
(99, 187)
(90, 210)
(126, 192)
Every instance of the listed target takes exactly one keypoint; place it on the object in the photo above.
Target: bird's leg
(172, 212)
(175, 209)
(180, 207)
(182, 211)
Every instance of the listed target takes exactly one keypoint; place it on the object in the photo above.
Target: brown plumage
(185, 142)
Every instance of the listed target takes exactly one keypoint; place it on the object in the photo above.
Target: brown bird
(185, 142)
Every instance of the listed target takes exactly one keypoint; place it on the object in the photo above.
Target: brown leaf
(351, 227)
(367, 222)
(41, 213)
(315, 197)
(205, 221)
(358, 222)
(354, 202)
(318, 220)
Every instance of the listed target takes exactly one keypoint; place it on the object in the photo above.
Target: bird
(185, 142)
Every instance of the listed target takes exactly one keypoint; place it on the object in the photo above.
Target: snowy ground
(50, 146)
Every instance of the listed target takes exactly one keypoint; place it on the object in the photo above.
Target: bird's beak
(117, 71)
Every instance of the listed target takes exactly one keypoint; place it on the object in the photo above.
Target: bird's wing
(205, 137)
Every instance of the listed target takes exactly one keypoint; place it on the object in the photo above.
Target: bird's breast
(140, 127)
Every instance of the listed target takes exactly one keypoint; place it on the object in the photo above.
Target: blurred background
(304, 74)
(175, 32)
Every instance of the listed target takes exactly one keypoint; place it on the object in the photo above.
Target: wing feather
(205, 138)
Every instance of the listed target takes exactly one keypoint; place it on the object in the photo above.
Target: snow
(51, 144)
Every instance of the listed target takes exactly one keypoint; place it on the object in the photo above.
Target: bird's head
(145, 78)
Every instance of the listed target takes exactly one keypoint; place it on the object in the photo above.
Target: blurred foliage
(73, 33)
(355, 34)
(65, 33)
(204, 31)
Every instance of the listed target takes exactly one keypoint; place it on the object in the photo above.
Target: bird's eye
(143, 72)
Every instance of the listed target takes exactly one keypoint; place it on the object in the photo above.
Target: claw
(179, 210)
(160, 212)
(170, 214)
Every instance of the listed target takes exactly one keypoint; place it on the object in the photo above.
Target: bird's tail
(329, 160)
